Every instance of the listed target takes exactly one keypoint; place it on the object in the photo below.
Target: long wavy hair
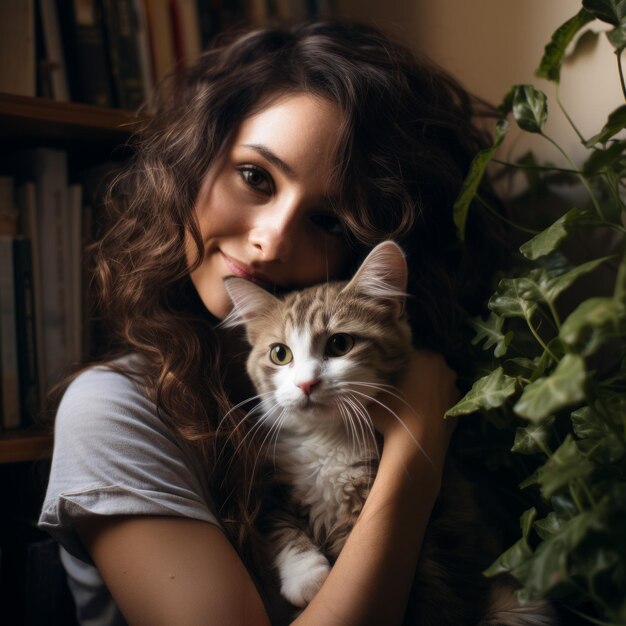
(407, 137)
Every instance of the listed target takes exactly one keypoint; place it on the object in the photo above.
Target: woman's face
(263, 208)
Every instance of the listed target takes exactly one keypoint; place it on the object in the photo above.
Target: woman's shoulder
(109, 402)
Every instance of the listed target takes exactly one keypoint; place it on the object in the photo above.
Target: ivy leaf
(550, 287)
(534, 438)
(519, 552)
(491, 331)
(617, 38)
(564, 387)
(594, 322)
(547, 569)
(548, 240)
(610, 11)
(615, 122)
(473, 179)
(530, 108)
(510, 299)
(549, 525)
(598, 441)
(601, 160)
(550, 66)
(488, 392)
(566, 465)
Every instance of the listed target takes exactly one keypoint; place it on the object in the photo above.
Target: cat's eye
(280, 354)
(339, 344)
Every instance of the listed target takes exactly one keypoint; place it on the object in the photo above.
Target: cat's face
(324, 352)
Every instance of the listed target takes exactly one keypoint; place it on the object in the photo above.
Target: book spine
(48, 168)
(9, 367)
(85, 51)
(53, 68)
(17, 47)
(75, 311)
(29, 227)
(120, 23)
(26, 332)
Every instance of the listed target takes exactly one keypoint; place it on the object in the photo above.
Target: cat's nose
(307, 386)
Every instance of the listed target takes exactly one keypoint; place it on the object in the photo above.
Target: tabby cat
(319, 357)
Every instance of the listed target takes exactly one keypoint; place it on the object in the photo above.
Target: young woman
(282, 156)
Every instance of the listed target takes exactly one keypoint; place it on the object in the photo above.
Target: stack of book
(111, 53)
(42, 223)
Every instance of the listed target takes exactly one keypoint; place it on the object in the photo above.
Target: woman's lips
(244, 271)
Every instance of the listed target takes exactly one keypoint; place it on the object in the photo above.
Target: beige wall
(491, 44)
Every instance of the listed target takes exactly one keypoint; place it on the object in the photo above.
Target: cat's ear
(250, 302)
(383, 274)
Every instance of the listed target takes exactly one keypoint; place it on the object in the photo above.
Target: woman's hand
(426, 390)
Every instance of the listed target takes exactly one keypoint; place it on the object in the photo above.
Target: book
(11, 410)
(75, 313)
(52, 68)
(161, 37)
(143, 43)
(187, 31)
(120, 25)
(47, 168)
(85, 51)
(17, 47)
(8, 210)
(29, 227)
(28, 374)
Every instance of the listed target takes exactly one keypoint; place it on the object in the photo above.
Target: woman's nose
(272, 236)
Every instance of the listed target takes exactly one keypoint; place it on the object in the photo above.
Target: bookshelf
(92, 133)
(25, 120)
(18, 446)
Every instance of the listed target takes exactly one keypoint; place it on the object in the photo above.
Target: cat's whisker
(258, 425)
(262, 444)
(348, 424)
(361, 419)
(388, 389)
(399, 419)
(364, 420)
(234, 428)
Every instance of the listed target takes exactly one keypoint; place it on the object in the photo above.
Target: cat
(319, 357)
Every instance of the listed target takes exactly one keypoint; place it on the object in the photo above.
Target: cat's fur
(313, 416)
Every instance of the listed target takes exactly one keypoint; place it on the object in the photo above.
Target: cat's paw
(302, 577)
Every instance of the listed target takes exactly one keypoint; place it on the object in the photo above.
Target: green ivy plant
(553, 368)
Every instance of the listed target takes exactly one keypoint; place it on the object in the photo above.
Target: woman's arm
(176, 570)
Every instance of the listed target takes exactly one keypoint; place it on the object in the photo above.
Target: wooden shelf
(42, 120)
(25, 445)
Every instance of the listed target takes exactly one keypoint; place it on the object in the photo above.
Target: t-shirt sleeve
(113, 455)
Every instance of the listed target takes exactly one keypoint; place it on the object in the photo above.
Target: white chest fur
(325, 470)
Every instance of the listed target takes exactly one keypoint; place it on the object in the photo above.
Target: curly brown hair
(407, 139)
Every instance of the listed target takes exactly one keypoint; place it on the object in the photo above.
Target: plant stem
(567, 117)
(555, 315)
(540, 340)
(618, 54)
(583, 180)
(544, 168)
(577, 502)
(504, 219)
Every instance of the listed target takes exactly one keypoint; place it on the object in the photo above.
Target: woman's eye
(256, 178)
(280, 354)
(339, 344)
(329, 223)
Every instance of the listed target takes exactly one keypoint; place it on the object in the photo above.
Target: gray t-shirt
(113, 455)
